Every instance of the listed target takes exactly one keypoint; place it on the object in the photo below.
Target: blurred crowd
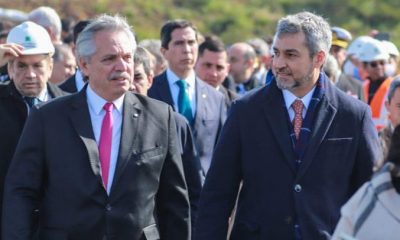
(201, 87)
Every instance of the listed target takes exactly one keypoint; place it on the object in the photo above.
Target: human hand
(9, 51)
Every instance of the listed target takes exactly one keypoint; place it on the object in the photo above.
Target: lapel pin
(204, 95)
(136, 115)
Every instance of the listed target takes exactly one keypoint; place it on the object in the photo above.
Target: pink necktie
(297, 106)
(106, 142)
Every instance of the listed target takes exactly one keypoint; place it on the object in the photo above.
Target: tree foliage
(232, 20)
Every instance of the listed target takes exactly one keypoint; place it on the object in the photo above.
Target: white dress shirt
(289, 98)
(174, 88)
(79, 82)
(97, 113)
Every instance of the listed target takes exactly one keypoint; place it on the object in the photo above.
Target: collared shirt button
(297, 188)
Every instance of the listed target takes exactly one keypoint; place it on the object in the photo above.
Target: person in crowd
(340, 41)
(142, 81)
(374, 57)
(64, 64)
(154, 46)
(373, 212)
(102, 163)
(391, 67)
(212, 67)
(352, 66)
(48, 18)
(28, 53)
(392, 104)
(178, 86)
(77, 81)
(242, 60)
(309, 147)
(264, 58)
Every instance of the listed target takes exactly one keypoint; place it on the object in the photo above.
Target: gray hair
(154, 46)
(260, 46)
(393, 86)
(317, 31)
(142, 56)
(47, 17)
(85, 46)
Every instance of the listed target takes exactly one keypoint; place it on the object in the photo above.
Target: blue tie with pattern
(183, 101)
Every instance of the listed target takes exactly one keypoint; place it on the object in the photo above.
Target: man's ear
(10, 70)
(150, 79)
(320, 58)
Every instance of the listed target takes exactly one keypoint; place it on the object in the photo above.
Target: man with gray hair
(309, 148)
(48, 18)
(103, 163)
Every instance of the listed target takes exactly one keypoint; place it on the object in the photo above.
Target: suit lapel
(130, 119)
(81, 121)
(164, 92)
(276, 116)
(323, 120)
(201, 97)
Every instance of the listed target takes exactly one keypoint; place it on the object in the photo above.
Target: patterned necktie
(297, 106)
(31, 101)
(106, 142)
(183, 101)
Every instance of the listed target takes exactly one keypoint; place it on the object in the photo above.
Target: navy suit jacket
(209, 118)
(255, 148)
(69, 85)
(56, 168)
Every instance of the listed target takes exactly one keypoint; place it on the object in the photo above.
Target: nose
(121, 65)
(30, 72)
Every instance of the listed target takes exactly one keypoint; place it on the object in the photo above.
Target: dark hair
(212, 44)
(394, 149)
(393, 86)
(78, 28)
(170, 26)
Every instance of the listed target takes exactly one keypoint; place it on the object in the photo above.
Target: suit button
(297, 188)
(108, 207)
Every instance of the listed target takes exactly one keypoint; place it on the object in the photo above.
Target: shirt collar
(96, 102)
(173, 78)
(289, 98)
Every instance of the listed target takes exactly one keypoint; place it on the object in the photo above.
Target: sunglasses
(376, 63)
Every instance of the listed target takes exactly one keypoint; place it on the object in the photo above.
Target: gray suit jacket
(56, 169)
(209, 119)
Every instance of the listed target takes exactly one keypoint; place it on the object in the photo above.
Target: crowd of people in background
(291, 136)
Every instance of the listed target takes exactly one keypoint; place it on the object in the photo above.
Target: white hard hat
(372, 51)
(33, 37)
(356, 45)
(391, 48)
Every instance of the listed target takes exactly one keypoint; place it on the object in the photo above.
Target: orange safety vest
(377, 104)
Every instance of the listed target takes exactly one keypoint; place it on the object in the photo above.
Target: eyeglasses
(376, 63)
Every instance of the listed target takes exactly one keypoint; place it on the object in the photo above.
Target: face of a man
(339, 53)
(110, 69)
(182, 51)
(30, 73)
(393, 108)
(212, 67)
(238, 64)
(292, 65)
(63, 69)
(141, 81)
(375, 69)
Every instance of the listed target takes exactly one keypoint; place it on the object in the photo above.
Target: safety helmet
(372, 51)
(33, 37)
(356, 45)
(340, 37)
(391, 48)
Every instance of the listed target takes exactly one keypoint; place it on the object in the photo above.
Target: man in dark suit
(295, 177)
(102, 163)
(142, 81)
(212, 67)
(178, 86)
(28, 52)
(76, 82)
